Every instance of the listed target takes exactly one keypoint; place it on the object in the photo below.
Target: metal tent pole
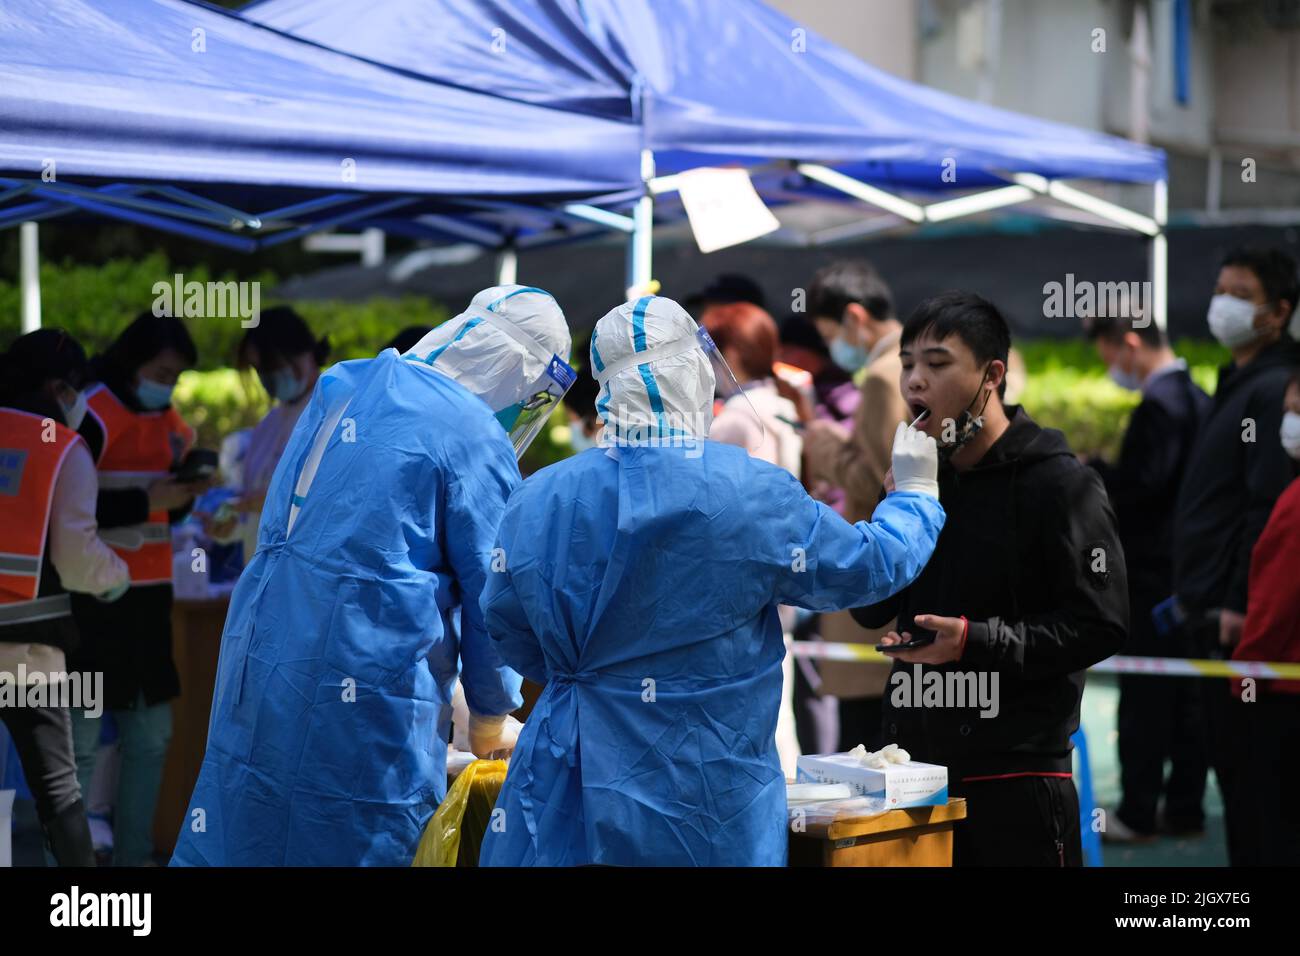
(29, 269)
(1160, 257)
(640, 247)
(507, 265)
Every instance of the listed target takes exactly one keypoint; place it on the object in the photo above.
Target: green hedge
(1067, 388)
(95, 303)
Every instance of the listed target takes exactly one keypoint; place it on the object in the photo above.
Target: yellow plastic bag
(456, 829)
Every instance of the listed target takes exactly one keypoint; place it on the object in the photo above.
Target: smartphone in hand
(920, 638)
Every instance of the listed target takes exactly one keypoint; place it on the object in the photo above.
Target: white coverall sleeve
(84, 562)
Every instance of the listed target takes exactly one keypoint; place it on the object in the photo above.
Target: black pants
(1226, 720)
(43, 738)
(1018, 821)
(1160, 718)
(1262, 823)
(861, 722)
(816, 716)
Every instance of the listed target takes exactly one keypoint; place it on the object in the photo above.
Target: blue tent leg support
(1091, 837)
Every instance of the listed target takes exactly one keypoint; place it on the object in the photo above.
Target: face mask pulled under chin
(967, 425)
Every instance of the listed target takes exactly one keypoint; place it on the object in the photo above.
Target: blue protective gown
(642, 591)
(327, 741)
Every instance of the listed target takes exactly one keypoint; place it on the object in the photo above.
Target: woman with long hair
(137, 439)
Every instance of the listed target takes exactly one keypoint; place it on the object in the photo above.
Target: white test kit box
(911, 784)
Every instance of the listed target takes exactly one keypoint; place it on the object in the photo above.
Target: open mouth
(920, 412)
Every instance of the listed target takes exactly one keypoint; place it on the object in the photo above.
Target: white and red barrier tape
(1162, 666)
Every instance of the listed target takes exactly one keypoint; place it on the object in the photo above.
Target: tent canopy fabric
(711, 83)
(172, 92)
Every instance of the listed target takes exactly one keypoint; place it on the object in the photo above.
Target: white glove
(489, 735)
(880, 759)
(916, 461)
(459, 720)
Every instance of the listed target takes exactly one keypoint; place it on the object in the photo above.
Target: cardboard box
(912, 784)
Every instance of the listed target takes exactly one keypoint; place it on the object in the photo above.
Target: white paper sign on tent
(723, 207)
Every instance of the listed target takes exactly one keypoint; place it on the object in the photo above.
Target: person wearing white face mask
(51, 548)
(138, 440)
(1158, 716)
(288, 360)
(1272, 633)
(1234, 476)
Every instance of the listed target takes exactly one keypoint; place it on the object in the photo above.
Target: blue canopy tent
(710, 83)
(188, 119)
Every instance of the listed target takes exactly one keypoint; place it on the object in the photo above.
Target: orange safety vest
(139, 448)
(32, 452)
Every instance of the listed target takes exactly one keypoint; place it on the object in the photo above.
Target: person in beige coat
(853, 309)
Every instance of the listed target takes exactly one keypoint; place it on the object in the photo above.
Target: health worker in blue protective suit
(328, 737)
(641, 581)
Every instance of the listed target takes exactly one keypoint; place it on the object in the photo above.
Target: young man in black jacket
(1158, 717)
(1024, 592)
(1235, 475)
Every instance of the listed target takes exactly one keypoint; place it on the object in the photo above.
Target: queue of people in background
(1204, 492)
(1236, 474)
(1159, 718)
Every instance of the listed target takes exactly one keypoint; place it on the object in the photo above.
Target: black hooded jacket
(1030, 555)
(1235, 475)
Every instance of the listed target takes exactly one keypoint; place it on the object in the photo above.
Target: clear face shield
(524, 419)
(727, 385)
